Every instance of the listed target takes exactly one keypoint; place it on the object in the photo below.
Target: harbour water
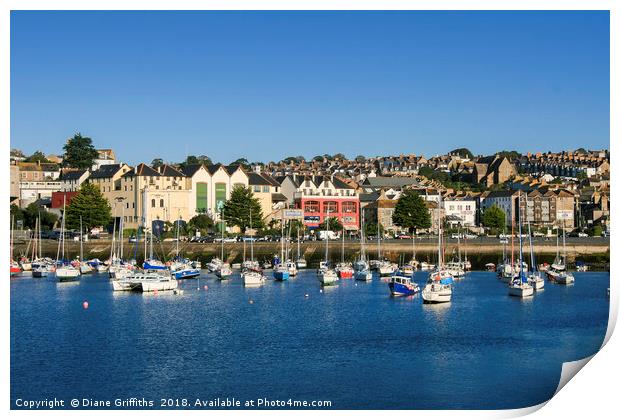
(351, 344)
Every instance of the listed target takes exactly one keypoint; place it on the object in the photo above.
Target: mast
(521, 273)
(342, 251)
(81, 241)
(362, 240)
(327, 239)
(178, 235)
(282, 240)
(439, 234)
(112, 247)
(39, 240)
(378, 238)
(222, 216)
(120, 233)
(529, 232)
(458, 242)
(298, 248)
(413, 258)
(251, 236)
(564, 242)
(12, 228)
(62, 225)
(145, 238)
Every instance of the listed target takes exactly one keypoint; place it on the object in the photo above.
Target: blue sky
(266, 85)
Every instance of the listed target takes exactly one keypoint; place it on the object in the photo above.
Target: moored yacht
(402, 286)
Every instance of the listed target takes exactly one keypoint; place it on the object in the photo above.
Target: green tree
(91, 205)
(240, 206)
(157, 162)
(411, 212)
(37, 156)
(426, 171)
(494, 217)
(334, 224)
(360, 159)
(201, 222)
(370, 229)
(243, 162)
(297, 226)
(462, 152)
(79, 152)
(340, 156)
(33, 211)
(17, 214)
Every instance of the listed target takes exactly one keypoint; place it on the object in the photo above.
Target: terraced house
(322, 196)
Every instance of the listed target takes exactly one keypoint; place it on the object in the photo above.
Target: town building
(461, 210)
(31, 191)
(72, 180)
(104, 157)
(34, 171)
(321, 196)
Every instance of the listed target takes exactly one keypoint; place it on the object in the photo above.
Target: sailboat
(557, 272)
(290, 264)
(534, 278)
(280, 270)
(14, 265)
(301, 261)
(64, 270)
(327, 275)
(251, 273)
(362, 268)
(223, 270)
(182, 268)
(438, 288)
(85, 268)
(519, 286)
(456, 267)
(384, 267)
(344, 269)
(40, 266)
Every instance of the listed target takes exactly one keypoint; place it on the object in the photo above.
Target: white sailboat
(85, 268)
(362, 268)
(438, 288)
(64, 270)
(519, 286)
(301, 261)
(327, 275)
(534, 278)
(558, 272)
(223, 271)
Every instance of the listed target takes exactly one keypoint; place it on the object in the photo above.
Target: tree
(411, 212)
(462, 152)
(240, 206)
(340, 156)
(33, 211)
(91, 205)
(370, 229)
(243, 162)
(37, 156)
(494, 217)
(297, 226)
(157, 162)
(318, 158)
(201, 222)
(426, 171)
(360, 159)
(17, 214)
(334, 224)
(510, 154)
(79, 152)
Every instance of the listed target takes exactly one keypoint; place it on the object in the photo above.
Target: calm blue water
(353, 344)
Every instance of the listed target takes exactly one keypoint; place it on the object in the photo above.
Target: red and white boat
(345, 271)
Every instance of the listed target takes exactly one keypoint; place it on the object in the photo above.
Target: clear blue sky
(266, 85)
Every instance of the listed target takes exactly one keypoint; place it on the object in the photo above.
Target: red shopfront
(316, 210)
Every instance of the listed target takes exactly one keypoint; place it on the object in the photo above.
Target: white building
(460, 210)
(31, 191)
(72, 180)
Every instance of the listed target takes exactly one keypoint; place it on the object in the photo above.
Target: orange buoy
(85, 304)
(206, 287)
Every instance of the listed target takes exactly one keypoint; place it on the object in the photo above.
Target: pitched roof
(167, 170)
(106, 171)
(190, 170)
(72, 175)
(390, 181)
(257, 179)
(142, 170)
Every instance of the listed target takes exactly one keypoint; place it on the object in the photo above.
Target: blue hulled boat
(403, 286)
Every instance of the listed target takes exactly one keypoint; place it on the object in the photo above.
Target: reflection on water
(353, 343)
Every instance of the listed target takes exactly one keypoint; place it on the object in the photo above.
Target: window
(330, 207)
(349, 207)
(311, 207)
(265, 188)
(220, 195)
(201, 196)
(126, 205)
(256, 188)
(161, 202)
(153, 202)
